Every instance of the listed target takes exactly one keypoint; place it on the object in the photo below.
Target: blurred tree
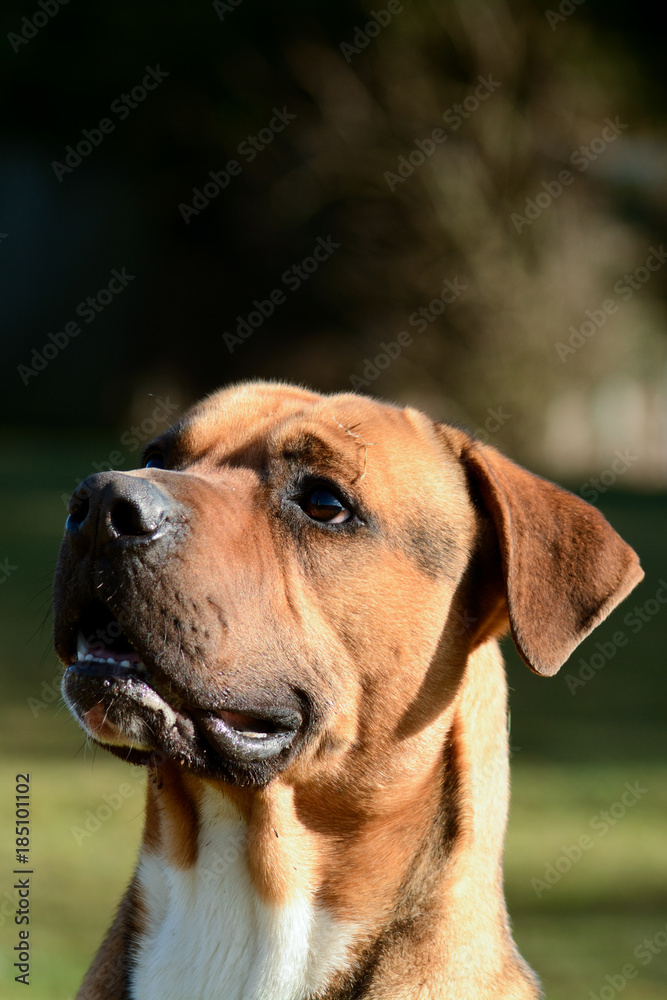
(427, 141)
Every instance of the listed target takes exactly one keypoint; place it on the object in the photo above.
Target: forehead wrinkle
(234, 425)
(225, 442)
(338, 426)
(246, 426)
(310, 448)
(196, 440)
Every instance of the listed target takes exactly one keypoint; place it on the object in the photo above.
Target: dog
(289, 615)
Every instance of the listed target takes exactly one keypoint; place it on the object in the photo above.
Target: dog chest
(210, 936)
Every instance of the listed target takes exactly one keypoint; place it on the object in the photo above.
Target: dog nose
(112, 505)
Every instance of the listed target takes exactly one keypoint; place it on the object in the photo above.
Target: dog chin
(119, 709)
(123, 713)
(97, 724)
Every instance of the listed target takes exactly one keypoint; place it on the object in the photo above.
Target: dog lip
(239, 737)
(245, 737)
(259, 726)
(253, 728)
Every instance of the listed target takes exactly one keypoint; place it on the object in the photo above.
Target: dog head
(292, 579)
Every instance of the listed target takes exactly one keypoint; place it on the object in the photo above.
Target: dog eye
(153, 460)
(323, 505)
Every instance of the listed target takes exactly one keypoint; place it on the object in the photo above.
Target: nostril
(77, 512)
(113, 506)
(128, 519)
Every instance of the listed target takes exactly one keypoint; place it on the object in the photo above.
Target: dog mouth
(127, 703)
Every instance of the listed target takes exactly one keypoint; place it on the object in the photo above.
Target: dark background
(575, 415)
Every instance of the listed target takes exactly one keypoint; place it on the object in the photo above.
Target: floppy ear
(563, 565)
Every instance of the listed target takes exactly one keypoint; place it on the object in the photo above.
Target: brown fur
(392, 813)
(172, 819)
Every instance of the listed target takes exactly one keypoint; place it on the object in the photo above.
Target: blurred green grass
(77, 881)
(573, 754)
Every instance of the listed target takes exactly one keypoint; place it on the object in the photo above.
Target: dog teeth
(83, 655)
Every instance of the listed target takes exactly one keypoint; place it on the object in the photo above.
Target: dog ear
(564, 567)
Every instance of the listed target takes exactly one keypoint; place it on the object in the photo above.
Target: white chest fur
(210, 936)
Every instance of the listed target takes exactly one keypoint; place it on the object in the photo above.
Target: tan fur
(392, 815)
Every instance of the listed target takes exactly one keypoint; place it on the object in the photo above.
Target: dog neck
(275, 908)
(209, 933)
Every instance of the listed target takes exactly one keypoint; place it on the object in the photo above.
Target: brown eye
(323, 505)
